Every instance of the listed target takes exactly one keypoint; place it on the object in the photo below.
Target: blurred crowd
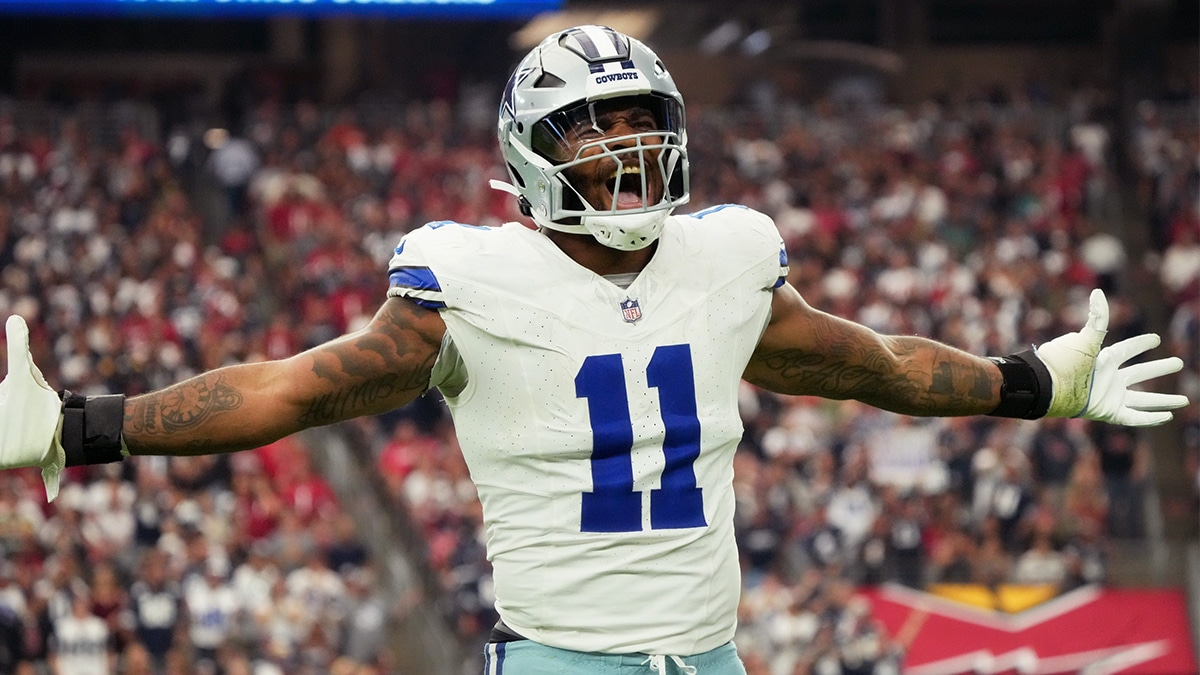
(140, 258)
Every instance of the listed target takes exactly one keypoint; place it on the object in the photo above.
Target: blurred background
(186, 184)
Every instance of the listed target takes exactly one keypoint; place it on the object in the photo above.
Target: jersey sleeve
(411, 272)
(751, 236)
(422, 269)
(434, 264)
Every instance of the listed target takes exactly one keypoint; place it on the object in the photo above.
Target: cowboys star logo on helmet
(550, 130)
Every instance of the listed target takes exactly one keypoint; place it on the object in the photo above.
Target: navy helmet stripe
(597, 43)
(418, 278)
(617, 42)
(585, 43)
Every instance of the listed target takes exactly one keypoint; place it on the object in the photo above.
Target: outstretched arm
(371, 371)
(805, 351)
(384, 365)
(808, 352)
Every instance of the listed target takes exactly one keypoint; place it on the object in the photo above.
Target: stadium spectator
(1123, 458)
(1040, 563)
(233, 162)
(254, 579)
(82, 642)
(1053, 452)
(214, 613)
(364, 628)
(1084, 507)
(155, 610)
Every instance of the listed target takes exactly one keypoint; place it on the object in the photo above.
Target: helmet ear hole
(520, 127)
(549, 81)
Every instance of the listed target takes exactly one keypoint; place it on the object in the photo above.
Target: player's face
(631, 160)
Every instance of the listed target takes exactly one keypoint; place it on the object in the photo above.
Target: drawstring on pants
(658, 664)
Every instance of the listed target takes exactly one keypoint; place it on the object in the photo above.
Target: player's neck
(601, 259)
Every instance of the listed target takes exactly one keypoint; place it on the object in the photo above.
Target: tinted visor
(559, 135)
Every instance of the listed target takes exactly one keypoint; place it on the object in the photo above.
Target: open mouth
(629, 196)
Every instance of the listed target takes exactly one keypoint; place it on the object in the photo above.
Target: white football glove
(30, 412)
(1089, 382)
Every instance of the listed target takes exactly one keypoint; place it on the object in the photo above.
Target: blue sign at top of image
(444, 9)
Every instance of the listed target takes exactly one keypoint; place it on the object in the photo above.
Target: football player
(591, 365)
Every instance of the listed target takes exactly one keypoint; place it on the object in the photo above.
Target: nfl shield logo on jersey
(630, 310)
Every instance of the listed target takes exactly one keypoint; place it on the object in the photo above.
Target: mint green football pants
(526, 657)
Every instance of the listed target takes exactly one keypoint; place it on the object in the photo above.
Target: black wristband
(91, 428)
(1027, 387)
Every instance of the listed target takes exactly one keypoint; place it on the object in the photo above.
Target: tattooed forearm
(373, 370)
(808, 352)
(957, 382)
(181, 407)
(912, 375)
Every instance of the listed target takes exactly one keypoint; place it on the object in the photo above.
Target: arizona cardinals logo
(1088, 630)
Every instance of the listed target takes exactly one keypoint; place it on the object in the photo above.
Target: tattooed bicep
(389, 360)
(399, 339)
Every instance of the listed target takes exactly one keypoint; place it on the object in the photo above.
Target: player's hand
(29, 412)
(1089, 382)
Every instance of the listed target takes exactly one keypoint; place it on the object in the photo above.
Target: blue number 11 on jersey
(613, 505)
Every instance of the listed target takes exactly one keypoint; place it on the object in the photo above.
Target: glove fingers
(1153, 401)
(1140, 372)
(1137, 418)
(1130, 347)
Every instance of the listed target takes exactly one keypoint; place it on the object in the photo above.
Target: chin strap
(504, 187)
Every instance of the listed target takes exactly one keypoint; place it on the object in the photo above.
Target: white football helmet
(548, 120)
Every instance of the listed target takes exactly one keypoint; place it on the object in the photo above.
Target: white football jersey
(81, 645)
(600, 423)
